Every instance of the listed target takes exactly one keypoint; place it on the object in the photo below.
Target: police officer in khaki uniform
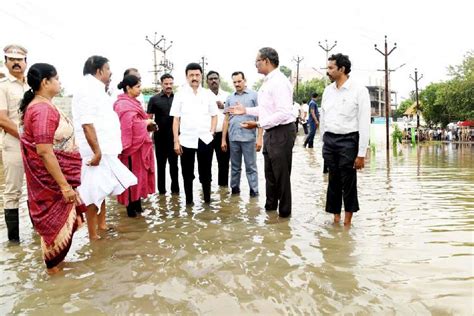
(12, 88)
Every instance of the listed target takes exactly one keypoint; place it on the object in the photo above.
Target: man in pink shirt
(274, 111)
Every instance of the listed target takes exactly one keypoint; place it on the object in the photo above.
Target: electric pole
(327, 49)
(298, 60)
(417, 101)
(386, 53)
(203, 65)
(165, 64)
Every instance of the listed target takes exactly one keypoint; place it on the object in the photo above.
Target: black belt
(279, 126)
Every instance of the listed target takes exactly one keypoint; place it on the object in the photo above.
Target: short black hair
(193, 66)
(236, 73)
(342, 61)
(166, 76)
(93, 64)
(315, 95)
(270, 54)
(211, 72)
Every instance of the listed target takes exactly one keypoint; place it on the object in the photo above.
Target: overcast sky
(429, 36)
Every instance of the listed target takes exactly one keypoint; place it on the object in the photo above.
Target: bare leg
(348, 218)
(101, 217)
(337, 218)
(91, 216)
(53, 270)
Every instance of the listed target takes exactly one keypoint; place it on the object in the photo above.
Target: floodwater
(409, 251)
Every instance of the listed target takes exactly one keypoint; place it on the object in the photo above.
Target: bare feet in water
(53, 270)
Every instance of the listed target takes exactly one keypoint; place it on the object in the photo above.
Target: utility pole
(327, 49)
(298, 60)
(417, 101)
(165, 64)
(386, 53)
(203, 65)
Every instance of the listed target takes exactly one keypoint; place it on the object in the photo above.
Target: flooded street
(410, 250)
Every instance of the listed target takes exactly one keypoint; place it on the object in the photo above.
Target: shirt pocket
(348, 107)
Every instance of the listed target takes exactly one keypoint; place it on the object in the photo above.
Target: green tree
(307, 88)
(452, 100)
(402, 107)
(257, 84)
(286, 71)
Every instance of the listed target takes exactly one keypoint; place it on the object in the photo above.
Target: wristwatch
(258, 124)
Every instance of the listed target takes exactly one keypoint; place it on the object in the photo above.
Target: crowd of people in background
(453, 134)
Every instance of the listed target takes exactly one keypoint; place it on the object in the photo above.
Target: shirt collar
(163, 94)
(271, 74)
(346, 85)
(12, 78)
(95, 81)
(246, 91)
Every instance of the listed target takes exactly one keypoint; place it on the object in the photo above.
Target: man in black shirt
(159, 106)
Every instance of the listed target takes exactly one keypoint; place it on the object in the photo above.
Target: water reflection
(410, 250)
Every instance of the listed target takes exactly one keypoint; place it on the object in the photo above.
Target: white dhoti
(110, 177)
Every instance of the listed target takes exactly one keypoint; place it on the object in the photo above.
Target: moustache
(16, 66)
(195, 81)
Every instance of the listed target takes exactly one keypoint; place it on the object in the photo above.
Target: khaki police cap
(15, 51)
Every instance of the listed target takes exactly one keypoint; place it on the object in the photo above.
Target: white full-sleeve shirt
(92, 105)
(346, 110)
(195, 112)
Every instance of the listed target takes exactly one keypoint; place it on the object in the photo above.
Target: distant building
(377, 100)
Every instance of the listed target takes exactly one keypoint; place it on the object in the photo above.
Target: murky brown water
(410, 250)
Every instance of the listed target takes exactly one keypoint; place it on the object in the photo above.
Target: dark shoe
(236, 190)
(13, 223)
(206, 189)
(253, 193)
(131, 212)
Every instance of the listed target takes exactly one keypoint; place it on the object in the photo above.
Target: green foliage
(257, 84)
(286, 71)
(402, 107)
(453, 100)
(148, 91)
(307, 88)
(397, 135)
(226, 86)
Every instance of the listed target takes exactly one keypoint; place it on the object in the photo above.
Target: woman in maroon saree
(52, 166)
(137, 153)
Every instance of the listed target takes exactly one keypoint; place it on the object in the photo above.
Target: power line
(203, 64)
(165, 65)
(327, 49)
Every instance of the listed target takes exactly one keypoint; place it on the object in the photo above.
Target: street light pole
(386, 53)
(203, 64)
(417, 101)
(327, 49)
(298, 60)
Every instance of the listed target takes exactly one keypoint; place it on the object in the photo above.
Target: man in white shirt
(194, 125)
(345, 124)
(98, 135)
(223, 157)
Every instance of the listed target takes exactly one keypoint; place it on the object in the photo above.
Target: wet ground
(409, 251)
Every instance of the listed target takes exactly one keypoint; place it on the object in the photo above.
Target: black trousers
(278, 145)
(204, 156)
(223, 159)
(339, 153)
(164, 151)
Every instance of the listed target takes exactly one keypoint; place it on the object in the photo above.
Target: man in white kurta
(98, 136)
